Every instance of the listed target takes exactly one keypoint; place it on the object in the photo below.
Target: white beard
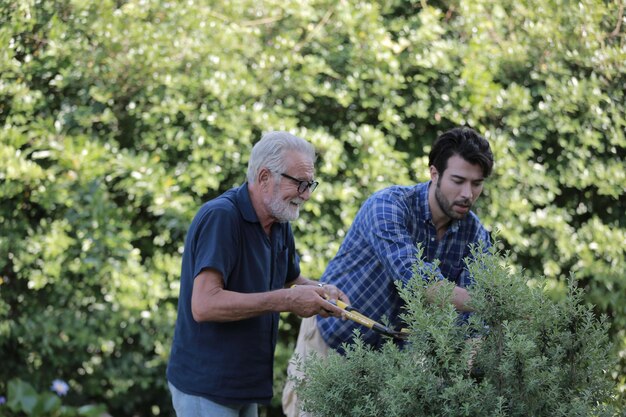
(284, 211)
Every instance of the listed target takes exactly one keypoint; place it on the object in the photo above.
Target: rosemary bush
(522, 353)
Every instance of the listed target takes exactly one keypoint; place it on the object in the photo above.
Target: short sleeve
(215, 240)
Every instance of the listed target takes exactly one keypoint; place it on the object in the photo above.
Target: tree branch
(618, 26)
(317, 27)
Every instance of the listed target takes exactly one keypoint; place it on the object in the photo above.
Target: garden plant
(25, 401)
(521, 353)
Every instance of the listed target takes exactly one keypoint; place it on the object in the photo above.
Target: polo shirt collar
(245, 204)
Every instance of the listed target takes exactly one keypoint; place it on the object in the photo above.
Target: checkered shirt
(381, 247)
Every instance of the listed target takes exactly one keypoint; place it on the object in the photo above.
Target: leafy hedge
(119, 118)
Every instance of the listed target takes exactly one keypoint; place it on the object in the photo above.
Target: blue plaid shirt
(381, 247)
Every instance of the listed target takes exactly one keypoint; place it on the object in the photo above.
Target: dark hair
(465, 142)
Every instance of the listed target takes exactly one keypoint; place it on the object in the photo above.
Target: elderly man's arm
(210, 301)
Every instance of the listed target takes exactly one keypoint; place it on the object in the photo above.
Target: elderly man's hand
(309, 300)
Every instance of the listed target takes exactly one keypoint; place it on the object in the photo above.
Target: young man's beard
(446, 205)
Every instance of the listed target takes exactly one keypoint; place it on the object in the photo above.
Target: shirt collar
(245, 204)
(423, 208)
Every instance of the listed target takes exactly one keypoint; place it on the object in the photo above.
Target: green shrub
(24, 400)
(521, 353)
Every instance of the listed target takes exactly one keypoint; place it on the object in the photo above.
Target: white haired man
(239, 269)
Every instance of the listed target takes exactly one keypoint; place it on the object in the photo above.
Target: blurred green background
(118, 119)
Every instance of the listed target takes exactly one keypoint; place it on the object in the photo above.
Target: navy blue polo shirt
(231, 362)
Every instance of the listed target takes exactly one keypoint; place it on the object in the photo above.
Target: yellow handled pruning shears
(356, 316)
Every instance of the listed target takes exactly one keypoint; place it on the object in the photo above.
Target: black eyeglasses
(302, 184)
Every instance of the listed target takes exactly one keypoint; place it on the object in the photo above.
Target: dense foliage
(24, 400)
(119, 118)
(520, 354)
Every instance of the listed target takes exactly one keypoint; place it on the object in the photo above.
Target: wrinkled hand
(333, 293)
(309, 300)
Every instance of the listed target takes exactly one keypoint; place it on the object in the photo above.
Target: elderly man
(239, 269)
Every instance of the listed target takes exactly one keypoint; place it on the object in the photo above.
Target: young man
(238, 266)
(380, 247)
